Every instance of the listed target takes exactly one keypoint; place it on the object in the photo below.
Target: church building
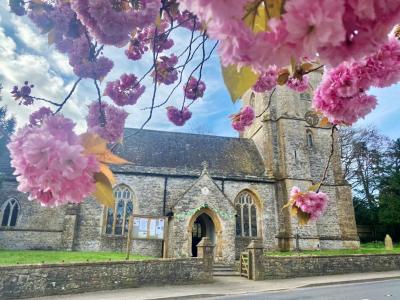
(231, 190)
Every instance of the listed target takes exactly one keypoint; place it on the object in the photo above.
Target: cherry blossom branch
(61, 105)
(268, 105)
(334, 127)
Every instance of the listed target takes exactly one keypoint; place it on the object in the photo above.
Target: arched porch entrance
(204, 223)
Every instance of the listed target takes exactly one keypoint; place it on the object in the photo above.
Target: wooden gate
(245, 265)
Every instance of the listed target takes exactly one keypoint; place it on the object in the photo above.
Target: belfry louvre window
(117, 218)
(246, 220)
(10, 211)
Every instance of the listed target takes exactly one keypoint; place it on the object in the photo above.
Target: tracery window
(117, 218)
(10, 211)
(246, 221)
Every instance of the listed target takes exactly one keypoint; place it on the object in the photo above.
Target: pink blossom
(107, 121)
(267, 81)
(166, 72)
(314, 24)
(36, 118)
(298, 85)
(312, 203)
(23, 94)
(177, 116)
(243, 119)
(194, 88)
(124, 91)
(52, 167)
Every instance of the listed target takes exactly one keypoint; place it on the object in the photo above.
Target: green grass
(367, 248)
(13, 257)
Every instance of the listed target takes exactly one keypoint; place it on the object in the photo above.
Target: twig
(329, 158)
(268, 105)
(69, 95)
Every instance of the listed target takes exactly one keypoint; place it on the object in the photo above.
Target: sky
(26, 55)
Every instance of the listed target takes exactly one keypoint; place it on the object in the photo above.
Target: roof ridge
(186, 133)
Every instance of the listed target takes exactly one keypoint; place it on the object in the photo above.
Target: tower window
(305, 97)
(310, 139)
(117, 218)
(10, 212)
(252, 100)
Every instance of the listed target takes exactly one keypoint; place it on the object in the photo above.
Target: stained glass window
(246, 220)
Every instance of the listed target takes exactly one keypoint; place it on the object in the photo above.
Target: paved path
(379, 290)
(224, 286)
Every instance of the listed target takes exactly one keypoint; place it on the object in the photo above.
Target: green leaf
(238, 81)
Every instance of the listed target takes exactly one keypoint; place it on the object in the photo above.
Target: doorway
(203, 226)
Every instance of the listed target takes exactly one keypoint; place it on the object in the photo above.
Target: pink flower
(23, 94)
(267, 81)
(194, 88)
(166, 72)
(314, 24)
(124, 91)
(36, 118)
(298, 85)
(178, 117)
(107, 121)
(50, 165)
(312, 203)
(243, 119)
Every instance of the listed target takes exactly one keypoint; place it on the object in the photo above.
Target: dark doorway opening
(203, 226)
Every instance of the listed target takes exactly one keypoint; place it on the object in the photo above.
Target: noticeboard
(148, 227)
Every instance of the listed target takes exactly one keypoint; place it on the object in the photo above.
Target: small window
(252, 100)
(10, 212)
(305, 97)
(117, 218)
(310, 139)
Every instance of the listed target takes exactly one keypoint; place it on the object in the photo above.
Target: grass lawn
(13, 257)
(367, 248)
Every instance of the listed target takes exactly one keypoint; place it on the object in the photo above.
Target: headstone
(388, 243)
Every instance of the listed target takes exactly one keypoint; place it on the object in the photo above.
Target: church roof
(172, 153)
(183, 153)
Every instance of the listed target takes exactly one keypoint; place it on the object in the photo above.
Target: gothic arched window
(246, 221)
(117, 218)
(10, 211)
(310, 138)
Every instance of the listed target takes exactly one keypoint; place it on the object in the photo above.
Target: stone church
(231, 190)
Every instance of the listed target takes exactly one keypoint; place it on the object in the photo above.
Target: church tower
(295, 150)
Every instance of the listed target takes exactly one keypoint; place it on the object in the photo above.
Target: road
(378, 290)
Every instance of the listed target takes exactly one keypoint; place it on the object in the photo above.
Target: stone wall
(54, 279)
(302, 266)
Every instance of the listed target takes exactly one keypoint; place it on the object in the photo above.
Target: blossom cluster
(106, 120)
(50, 163)
(243, 119)
(312, 203)
(124, 91)
(336, 31)
(342, 97)
(194, 88)
(23, 94)
(178, 116)
(267, 81)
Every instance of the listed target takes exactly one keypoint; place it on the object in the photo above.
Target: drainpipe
(164, 210)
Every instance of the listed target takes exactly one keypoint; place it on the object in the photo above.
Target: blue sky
(25, 55)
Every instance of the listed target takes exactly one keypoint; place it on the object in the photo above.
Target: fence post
(205, 250)
(256, 260)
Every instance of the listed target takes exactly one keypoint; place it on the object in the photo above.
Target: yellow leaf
(302, 217)
(94, 144)
(307, 66)
(238, 82)
(256, 16)
(293, 65)
(294, 211)
(283, 76)
(324, 122)
(314, 187)
(104, 192)
(104, 169)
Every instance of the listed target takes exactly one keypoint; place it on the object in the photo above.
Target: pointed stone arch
(249, 199)
(218, 229)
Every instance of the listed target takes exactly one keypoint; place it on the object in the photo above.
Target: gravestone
(388, 243)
